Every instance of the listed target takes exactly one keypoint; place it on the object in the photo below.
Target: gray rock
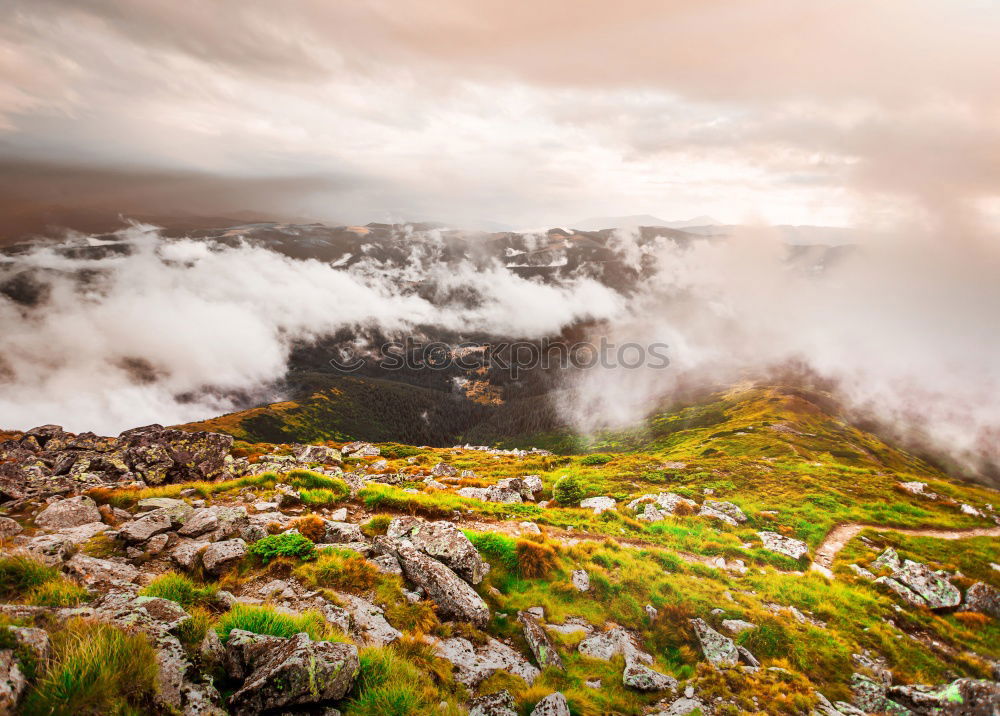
(475, 664)
(220, 556)
(360, 449)
(737, 626)
(598, 504)
(387, 564)
(71, 512)
(533, 483)
(289, 672)
(35, 640)
(904, 592)
(653, 507)
(92, 571)
(683, 706)
(983, 598)
(937, 591)
(187, 554)
(636, 674)
(962, 696)
(443, 469)
(552, 705)
(12, 682)
(317, 453)
(887, 560)
(368, 623)
(340, 532)
(500, 703)
(339, 514)
(867, 694)
(787, 546)
(140, 530)
(445, 543)
(200, 522)
(517, 485)
(9, 528)
(539, 642)
(454, 598)
(725, 511)
(581, 580)
(718, 649)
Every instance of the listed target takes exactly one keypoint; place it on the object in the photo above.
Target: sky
(846, 112)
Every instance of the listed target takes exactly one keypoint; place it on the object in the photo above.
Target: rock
(445, 543)
(529, 528)
(35, 640)
(539, 642)
(475, 664)
(340, 532)
(71, 512)
(368, 623)
(339, 515)
(641, 678)
(887, 560)
(552, 705)
(199, 522)
(904, 592)
(970, 510)
(158, 455)
(861, 572)
(683, 706)
(787, 546)
(725, 511)
(149, 504)
(454, 598)
(9, 528)
(317, 453)
(360, 449)
(636, 674)
(187, 554)
(581, 580)
(140, 530)
(963, 696)
(983, 598)
(387, 564)
(737, 626)
(937, 591)
(517, 485)
(658, 506)
(533, 483)
(651, 612)
(92, 571)
(918, 489)
(289, 672)
(746, 657)
(220, 556)
(12, 682)
(500, 703)
(718, 649)
(867, 694)
(443, 469)
(598, 504)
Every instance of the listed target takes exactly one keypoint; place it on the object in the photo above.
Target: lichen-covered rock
(598, 504)
(539, 642)
(963, 696)
(218, 557)
(445, 543)
(159, 455)
(187, 553)
(552, 705)
(636, 674)
(9, 528)
(983, 598)
(368, 623)
(499, 703)
(660, 505)
(140, 530)
(443, 469)
(71, 512)
(533, 483)
(454, 598)
(937, 591)
(340, 532)
(737, 626)
(581, 580)
(718, 649)
(783, 545)
(92, 571)
(360, 449)
(517, 485)
(887, 560)
(724, 511)
(902, 591)
(12, 682)
(317, 453)
(476, 664)
(289, 672)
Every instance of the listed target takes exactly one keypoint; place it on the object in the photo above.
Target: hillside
(748, 553)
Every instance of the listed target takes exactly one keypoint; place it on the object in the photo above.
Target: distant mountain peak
(597, 223)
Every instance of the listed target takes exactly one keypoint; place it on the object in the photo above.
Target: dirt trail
(844, 533)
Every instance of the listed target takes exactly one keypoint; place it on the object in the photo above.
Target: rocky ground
(390, 579)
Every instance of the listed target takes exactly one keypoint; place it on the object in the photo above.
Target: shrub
(95, 669)
(534, 560)
(265, 620)
(340, 569)
(311, 526)
(597, 459)
(567, 490)
(287, 544)
(180, 589)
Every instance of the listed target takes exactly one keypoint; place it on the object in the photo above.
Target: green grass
(23, 579)
(267, 620)
(179, 588)
(95, 669)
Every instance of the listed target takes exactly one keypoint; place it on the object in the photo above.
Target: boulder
(718, 649)
(289, 672)
(581, 580)
(963, 696)
(454, 598)
(937, 591)
(445, 543)
(9, 528)
(360, 449)
(317, 453)
(737, 626)
(552, 705)
(368, 623)
(220, 556)
(71, 512)
(140, 530)
(443, 469)
(724, 511)
(340, 532)
(92, 571)
(499, 703)
(517, 485)
(598, 504)
(636, 674)
(158, 455)
(533, 483)
(539, 642)
(902, 591)
(12, 682)
(476, 664)
(887, 560)
(187, 553)
(918, 489)
(983, 598)
(651, 508)
(787, 546)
